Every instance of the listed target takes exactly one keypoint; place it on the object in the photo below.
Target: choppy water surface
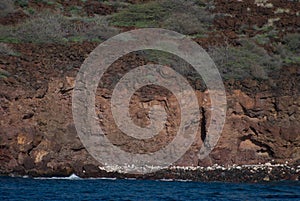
(74, 188)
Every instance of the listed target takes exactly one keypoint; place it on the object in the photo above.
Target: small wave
(166, 180)
(175, 180)
(75, 177)
(71, 177)
(184, 180)
(102, 178)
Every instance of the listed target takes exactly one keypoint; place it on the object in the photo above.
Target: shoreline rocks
(245, 173)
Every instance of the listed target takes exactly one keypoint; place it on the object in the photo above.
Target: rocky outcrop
(38, 136)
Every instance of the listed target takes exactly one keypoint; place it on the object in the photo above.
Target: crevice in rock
(253, 130)
(245, 110)
(31, 149)
(63, 91)
(276, 106)
(3, 146)
(77, 149)
(28, 115)
(203, 125)
(246, 137)
(252, 113)
(34, 145)
(264, 147)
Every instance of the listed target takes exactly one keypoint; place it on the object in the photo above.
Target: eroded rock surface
(38, 135)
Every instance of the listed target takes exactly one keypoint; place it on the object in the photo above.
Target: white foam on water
(175, 180)
(168, 180)
(184, 180)
(71, 177)
(102, 178)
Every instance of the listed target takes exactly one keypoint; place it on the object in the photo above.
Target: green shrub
(292, 42)
(185, 23)
(289, 49)
(187, 17)
(245, 61)
(7, 34)
(43, 28)
(167, 59)
(176, 63)
(248, 60)
(141, 15)
(95, 29)
(266, 37)
(55, 28)
(6, 7)
(22, 3)
(6, 50)
(261, 39)
(117, 5)
(4, 73)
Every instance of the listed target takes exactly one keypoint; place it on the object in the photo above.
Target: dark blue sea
(74, 188)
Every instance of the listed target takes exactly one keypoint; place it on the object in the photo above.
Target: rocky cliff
(38, 136)
(44, 44)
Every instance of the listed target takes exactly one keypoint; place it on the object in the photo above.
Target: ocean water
(74, 188)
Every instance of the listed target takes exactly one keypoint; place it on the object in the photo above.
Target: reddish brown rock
(260, 126)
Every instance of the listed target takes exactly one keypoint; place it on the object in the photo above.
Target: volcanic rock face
(37, 131)
(38, 136)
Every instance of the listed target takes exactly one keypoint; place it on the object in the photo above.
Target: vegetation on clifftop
(55, 21)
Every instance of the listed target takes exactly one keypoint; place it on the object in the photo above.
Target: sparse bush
(117, 5)
(266, 37)
(55, 28)
(185, 23)
(176, 63)
(4, 73)
(292, 42)
(248, 60)
(96, 28)
(245, 61)
(141, 15)
(187, 17)
(43, 28)
(261, 39)
(289, 49)
(22, 3)
(6, 50)
(6, 7)
(168, 59)
(6, 34)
